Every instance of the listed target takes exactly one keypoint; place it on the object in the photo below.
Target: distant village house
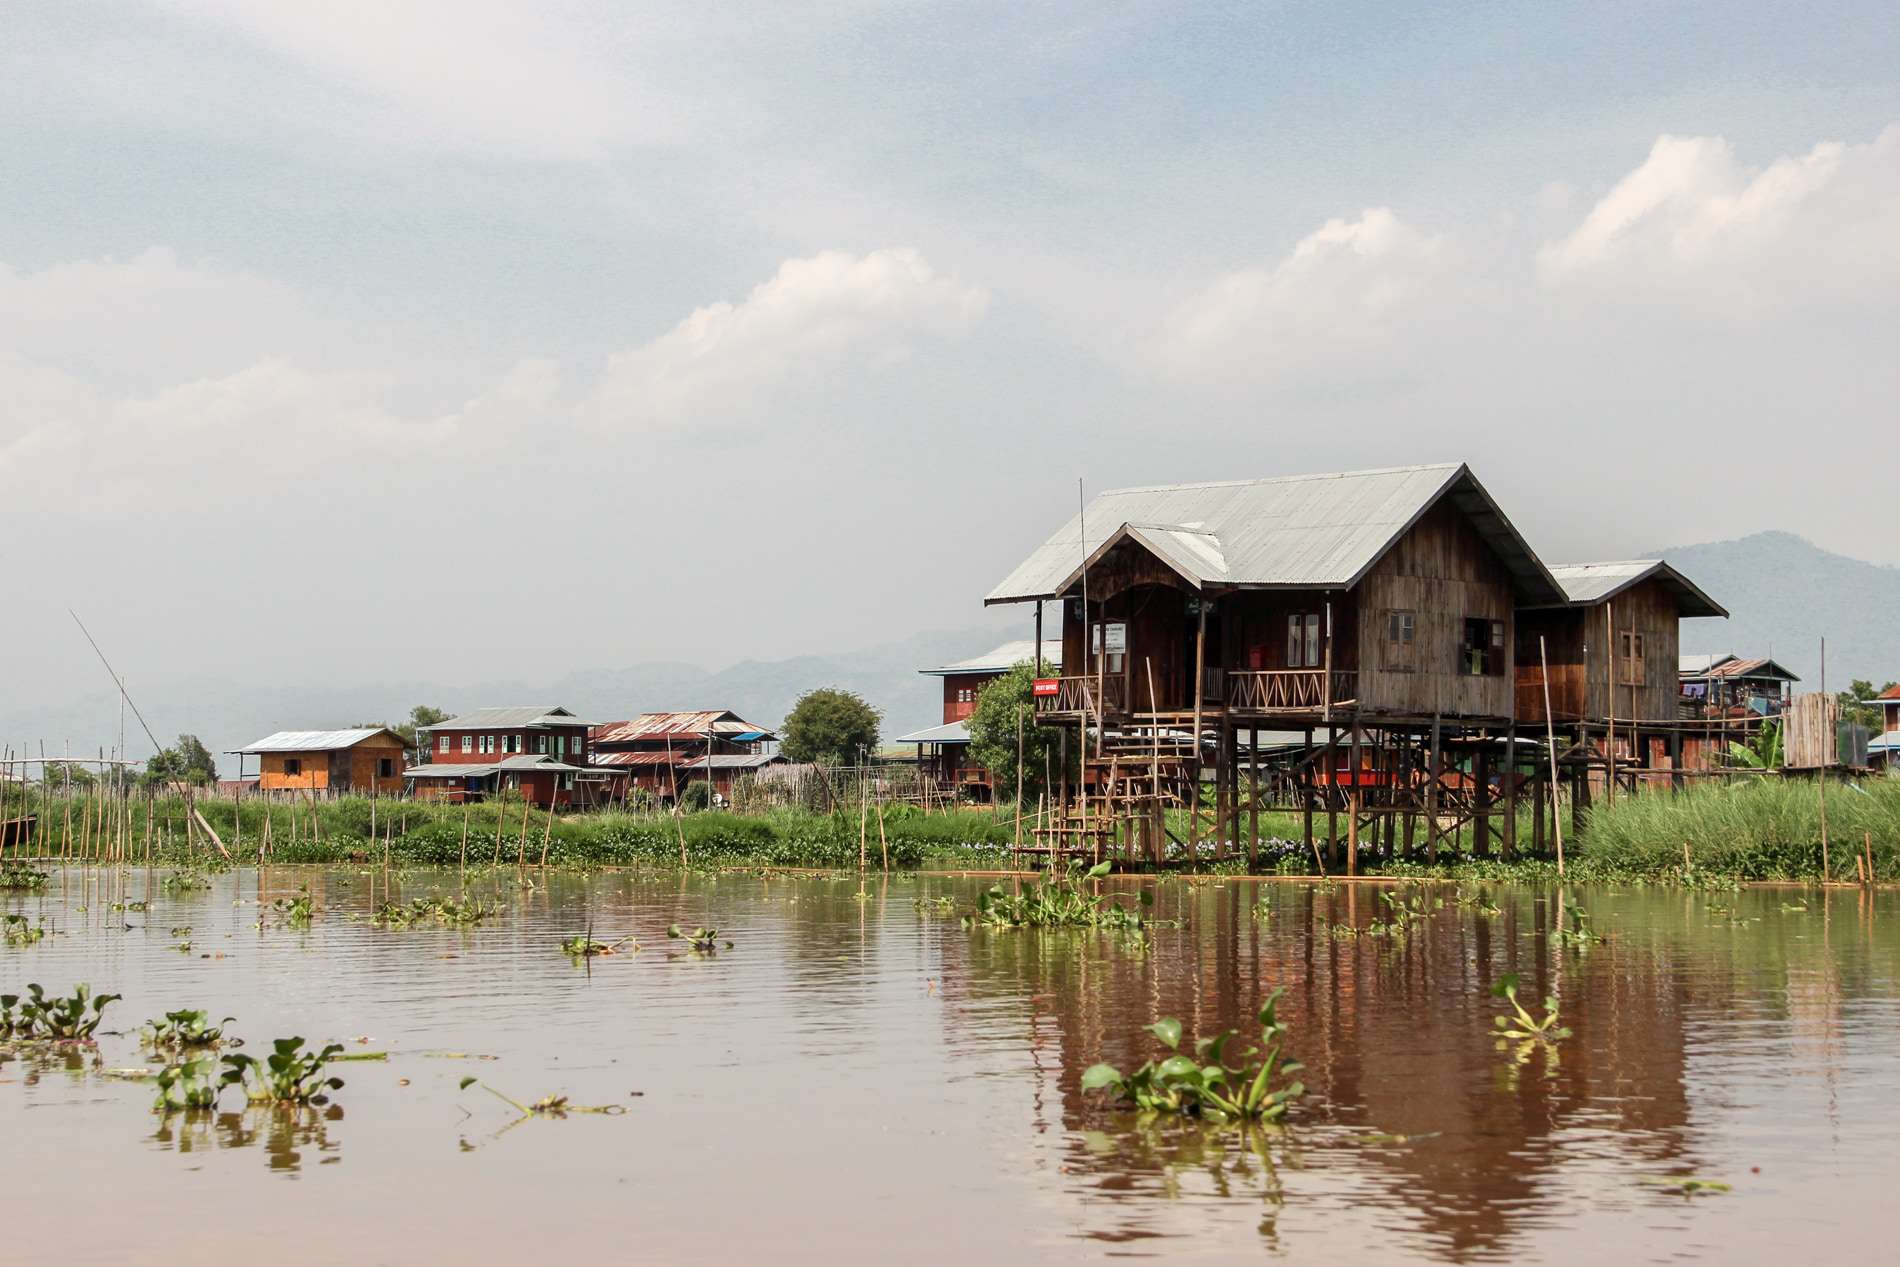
(366, 761)
(662, 752)
(943, 751)
(541, 752)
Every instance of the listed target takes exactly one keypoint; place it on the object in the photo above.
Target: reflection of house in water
(1396, 1037)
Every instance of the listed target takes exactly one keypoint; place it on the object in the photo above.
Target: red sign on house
(1048, 686)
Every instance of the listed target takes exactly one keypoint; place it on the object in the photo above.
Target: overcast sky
(471, 340)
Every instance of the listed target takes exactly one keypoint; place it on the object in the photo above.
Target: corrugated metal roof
(1886, 742)
(1307, 531)
(732, 761)
(520, 717)
(646, 758)
(677, 725)
(952, 732)
(316, 740)
(1004, 658)
(447, 770)
(1728, 665)
(1586, 584)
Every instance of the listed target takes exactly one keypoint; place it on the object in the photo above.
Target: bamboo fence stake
(1820, 777)
(521, 841)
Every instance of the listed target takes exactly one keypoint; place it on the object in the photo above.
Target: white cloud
(1695, 223)
(1345, 293)
(153, 317)
(531, 80)
(818, 318)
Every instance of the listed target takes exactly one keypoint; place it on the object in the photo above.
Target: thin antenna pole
(1088, 626)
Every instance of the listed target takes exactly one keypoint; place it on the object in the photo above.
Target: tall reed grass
(1765, 829)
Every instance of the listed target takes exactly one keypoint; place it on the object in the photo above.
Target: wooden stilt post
(1200, 674)
(1431, 790)
(1253, 797)
(1306, 792)
(1508, 838)
(1332, 794)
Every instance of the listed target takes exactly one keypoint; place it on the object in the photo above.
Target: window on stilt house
(1629, 658)
(1482, 654)
(1400, 628)
(1303, 650)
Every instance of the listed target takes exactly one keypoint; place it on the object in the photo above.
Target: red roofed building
(663, 752)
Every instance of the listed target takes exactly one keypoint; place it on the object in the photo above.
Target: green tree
(419, 716)
(992, 727)
(187, 761)
(1862, 714)
(831, 726)
(57, 773)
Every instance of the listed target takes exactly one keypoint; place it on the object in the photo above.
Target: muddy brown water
(859, 1080)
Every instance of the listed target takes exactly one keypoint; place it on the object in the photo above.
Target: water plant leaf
(1168, 1031)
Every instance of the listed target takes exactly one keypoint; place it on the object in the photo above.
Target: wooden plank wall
(1578, 642)
(1808, 732)
(1443, 572)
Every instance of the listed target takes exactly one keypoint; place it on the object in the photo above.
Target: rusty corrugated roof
(676, 725)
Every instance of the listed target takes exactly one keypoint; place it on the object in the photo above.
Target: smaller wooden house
(1727, 685)
(367, 760)
(1612, 647)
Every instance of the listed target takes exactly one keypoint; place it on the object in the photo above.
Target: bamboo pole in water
(1550, 738)
(1820, 778)
(1019, 790)
(496, 860)
(521, 844)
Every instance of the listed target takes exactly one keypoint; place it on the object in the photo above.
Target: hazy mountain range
(1784, 593)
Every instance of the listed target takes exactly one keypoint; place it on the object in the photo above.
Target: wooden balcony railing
(1089, 696)
(1290, 690)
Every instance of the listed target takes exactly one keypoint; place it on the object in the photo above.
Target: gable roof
(1730, 665)
(518, 717)
(1296, 532)
(1002, 659)
(655, 727)
(317, 740)
(1586, 584)
(949, 732)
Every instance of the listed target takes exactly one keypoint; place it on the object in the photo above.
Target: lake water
(858, 1080)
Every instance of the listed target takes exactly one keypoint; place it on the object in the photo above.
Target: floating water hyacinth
(1205, 1084)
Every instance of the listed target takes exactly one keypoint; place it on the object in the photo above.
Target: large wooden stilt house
(1371, 610)
(1317, 598)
